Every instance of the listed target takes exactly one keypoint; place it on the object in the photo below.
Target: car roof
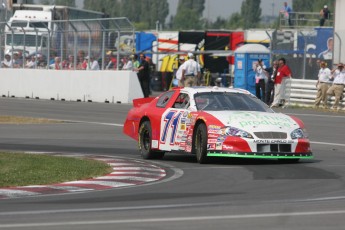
(205, 89)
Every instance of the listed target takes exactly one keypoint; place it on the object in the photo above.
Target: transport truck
(39, 28)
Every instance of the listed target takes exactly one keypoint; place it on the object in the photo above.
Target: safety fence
(303, 20)
(303, 93)
(103, 39)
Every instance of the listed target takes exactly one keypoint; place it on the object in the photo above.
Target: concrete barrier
(71, 85)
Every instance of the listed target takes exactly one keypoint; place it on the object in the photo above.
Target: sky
(224, 8)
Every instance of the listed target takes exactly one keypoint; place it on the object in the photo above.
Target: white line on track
(327, 143)
(173, 219)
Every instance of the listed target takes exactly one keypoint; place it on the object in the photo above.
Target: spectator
(17, 63)
(179, 71)
(322, 85)
(7, 62)
(337, 87)
(81, 62)
(57, 64)
(52, 58)
(128, 64)
(272, 73)
(325, 14)
(32, 63)
(135, 61)
(260, 75)
(190, 72)
(283, 72)
(287, 11)
(144, 75)
(92, 64)
(41, 61)
(70, 62)
(112, 63)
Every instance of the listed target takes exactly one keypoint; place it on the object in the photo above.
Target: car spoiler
(140, 101)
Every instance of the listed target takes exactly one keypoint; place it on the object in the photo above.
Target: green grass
(19, 169)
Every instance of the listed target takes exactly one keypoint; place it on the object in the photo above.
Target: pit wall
(71, 85)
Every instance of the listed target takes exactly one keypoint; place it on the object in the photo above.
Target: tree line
(146, 14)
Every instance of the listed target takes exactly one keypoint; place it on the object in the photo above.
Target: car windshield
(220, 101)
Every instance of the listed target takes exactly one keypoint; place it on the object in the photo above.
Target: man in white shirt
(179, 71)
(337, 88)
(7, 62)
(190, 72)
(322, 85)
(128, 65)
(92, 64)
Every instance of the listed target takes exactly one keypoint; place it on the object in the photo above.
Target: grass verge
(20, 169)
(25, 120)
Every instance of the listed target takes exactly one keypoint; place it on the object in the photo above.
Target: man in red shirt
(283, 73)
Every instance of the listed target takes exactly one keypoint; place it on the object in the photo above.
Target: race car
(215, 122)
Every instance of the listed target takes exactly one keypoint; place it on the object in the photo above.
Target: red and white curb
(126, 172)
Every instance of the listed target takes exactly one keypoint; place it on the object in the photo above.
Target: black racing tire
(145, 140)
(200, 143)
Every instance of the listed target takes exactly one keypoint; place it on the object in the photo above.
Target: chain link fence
(303, 49)
(104, 39)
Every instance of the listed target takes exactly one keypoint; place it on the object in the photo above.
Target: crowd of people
(83, 61)
(271, 84)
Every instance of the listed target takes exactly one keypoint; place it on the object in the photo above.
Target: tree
(235, 21)
(312, 6)
(197, 5)
(250, 13)
(144, 13)
(112, 8)
(189, 14)
(187, 19)
(59, 2)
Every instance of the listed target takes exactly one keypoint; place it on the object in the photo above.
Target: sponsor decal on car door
(174, 127)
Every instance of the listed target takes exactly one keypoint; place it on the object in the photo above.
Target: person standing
(322, 85)
(190, 72)
(325, 14)
(260, 75)
(144, 75)
(337, 87)
(283, 72)
(272, 73)
(135, 61)
(287, 13)
(179, 71)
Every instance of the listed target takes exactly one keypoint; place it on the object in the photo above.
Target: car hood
(256, 121)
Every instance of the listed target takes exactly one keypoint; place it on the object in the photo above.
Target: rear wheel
(200, 143)
(145, 140)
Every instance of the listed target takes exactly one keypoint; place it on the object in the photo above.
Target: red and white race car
(215, 122)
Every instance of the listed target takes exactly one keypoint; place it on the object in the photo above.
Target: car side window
(164, 99)
(182, 101)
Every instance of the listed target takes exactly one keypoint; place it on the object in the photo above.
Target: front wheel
(200, 143)
(145, 140)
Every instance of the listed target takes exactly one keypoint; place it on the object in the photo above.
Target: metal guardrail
(303, 93)
(303, 20)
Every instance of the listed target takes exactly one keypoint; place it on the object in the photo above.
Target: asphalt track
(225, 194)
